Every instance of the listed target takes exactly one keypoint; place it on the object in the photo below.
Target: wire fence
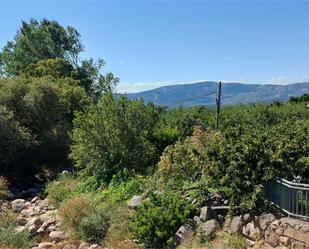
(291, 197)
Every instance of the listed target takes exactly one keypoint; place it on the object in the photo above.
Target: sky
(148, 44)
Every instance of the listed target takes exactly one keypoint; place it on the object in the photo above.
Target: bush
(61, 189)
(113, 136)
(157, 220)
(3, 187)
(9, 237)
(85, 219)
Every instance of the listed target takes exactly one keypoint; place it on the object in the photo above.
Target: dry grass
(3, 187)
(118, 236)
(222, 241)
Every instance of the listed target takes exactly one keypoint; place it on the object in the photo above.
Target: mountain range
(204, 93)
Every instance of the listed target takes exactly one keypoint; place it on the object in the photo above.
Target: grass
(221, 241)
(9, 237)
(61, 189)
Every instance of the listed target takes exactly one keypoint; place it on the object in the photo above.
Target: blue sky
(154, 43)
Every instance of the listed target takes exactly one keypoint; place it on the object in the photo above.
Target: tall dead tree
(218, 102)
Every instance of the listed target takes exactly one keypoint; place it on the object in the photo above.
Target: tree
(37, 119)
(112, 136)
(36, 41)
(46, 48)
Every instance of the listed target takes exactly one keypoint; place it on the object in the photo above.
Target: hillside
(204, 93)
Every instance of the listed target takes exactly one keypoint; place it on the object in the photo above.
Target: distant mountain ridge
(204, 93)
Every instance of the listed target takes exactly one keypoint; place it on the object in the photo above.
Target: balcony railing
(291, 197)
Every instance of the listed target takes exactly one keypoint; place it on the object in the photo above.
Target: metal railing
(291, 197)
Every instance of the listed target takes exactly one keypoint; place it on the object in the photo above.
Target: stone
(251, 231)
(265, 220)
(285, 241)
(246, 218)
(206, 214)
(183, 234)
(298, 245)
(56, 236)
(226, 202)
(32, 229)
(46, 245)
(83, 245)
(34, 199)
(271, 238)
(18, 205)
(209, 227)
(135, 201)
(236, 224)
(46, 224)
(36, 221)
(95, 246)
(296, 234)
(197, 220)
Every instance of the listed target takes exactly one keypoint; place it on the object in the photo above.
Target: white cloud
(284, 80)
(228, 58)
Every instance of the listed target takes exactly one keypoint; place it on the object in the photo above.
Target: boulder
(285, 241)
(206, 214)
(209, 227)
(271, 238)
(265, 220)
(56, 236)
(251, 231)
(236, 224)
(83, 245)
(46, 245)
(135, 201)
(18, 205)
(184, 233)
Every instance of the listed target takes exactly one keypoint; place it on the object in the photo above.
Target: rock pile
(42, 221)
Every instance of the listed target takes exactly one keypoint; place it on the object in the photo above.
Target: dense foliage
(157, 220)
(112, 136)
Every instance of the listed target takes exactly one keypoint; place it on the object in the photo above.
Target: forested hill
(204, 93)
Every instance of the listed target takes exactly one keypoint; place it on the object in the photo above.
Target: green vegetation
(9, 236)
(58, 111)
(157, 220)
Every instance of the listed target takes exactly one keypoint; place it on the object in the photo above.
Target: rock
(197, 220)
(206, 214)
(36, 221)
(285, 241)
(56, 236)
(46, 245)
(298, 245)
(246, 218)
(34, 199)
(95, 246)
(226, 202)
(135, 201)
(236, 224)
(271, 238)
(265, 220)
(209, 227)
(183, 234)
(83, 245)
(251, 231)
(18, 205)
(47, 224)
(32, 229)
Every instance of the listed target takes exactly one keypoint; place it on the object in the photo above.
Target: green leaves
(157, 220)
(112, 136)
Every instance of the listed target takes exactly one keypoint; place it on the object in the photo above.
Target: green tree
(113, 136)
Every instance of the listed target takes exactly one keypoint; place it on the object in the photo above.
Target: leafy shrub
(123, 190)
(179, 161)
(9, 236)
(63, 188)
(3, 187)
(84, 219)
(113, 136)
(157, 220)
